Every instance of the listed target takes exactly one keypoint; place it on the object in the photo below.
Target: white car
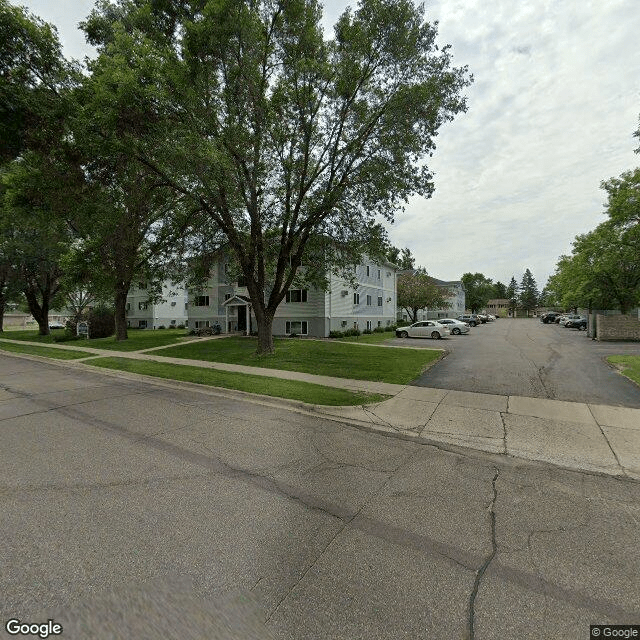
(455, 326)
(57, 325)
(424, 329)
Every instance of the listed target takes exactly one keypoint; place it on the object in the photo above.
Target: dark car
(576, 323)
(470, 318)
(549, 317)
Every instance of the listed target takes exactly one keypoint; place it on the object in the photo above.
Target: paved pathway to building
(584, 436)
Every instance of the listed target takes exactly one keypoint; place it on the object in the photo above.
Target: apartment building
(310, 311)
(171, 311)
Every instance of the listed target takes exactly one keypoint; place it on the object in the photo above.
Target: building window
(296, 327)
(355, 325)
(296, 295)
(200, 324)
(173, 304)
(142, 324)
(186, 305)
(128, 306)
(379, 301)
(142, 306)
(368, 271)
(379, 323)
(343, 323)
(201, 301)
(379, 274)
(369, 325)
(173, 322)
(368, 301)
(227, 296)
(356, 298)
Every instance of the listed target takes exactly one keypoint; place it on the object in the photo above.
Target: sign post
(82, 329)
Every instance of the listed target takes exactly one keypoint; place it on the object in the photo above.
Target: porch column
(247, 317)
(226, 319)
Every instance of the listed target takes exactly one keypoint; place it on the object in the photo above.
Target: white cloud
(551, 114)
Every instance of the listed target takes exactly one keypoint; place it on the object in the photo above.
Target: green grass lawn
(45, 352)
(291, 389)
(329, 358)
(137, 340)
(630, 366)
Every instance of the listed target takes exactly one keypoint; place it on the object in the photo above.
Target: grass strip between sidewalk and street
(290, 389)
(45, 352)
(320, 357)
(629, 366)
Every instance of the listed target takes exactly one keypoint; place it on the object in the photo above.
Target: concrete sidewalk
(589, 437)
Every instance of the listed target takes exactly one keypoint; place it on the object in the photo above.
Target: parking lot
(527, 358)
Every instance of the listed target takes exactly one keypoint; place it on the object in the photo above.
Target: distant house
(499, 307)
(142, 313)
(310, 312)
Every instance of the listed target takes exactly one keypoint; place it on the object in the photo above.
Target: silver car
(424, 329)
(456, 327)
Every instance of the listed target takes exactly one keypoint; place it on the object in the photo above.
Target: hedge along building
(311, 311)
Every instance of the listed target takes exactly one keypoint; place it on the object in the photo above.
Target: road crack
(487, 561)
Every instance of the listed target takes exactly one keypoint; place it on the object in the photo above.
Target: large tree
(416, 291)
(513, 293)
(478, 289)
(282, 138)
(529, 294)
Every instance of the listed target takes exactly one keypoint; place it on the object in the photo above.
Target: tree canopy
(417, 290)
(283, 139)
(478, 290)
(529, 294)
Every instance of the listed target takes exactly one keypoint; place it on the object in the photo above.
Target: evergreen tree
(512, 294)
(529, 294)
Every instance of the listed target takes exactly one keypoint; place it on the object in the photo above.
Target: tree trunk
(39, 312)
(121, 313)
(3, 303)
(265, 333)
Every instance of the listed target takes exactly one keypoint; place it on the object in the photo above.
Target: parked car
(491, 317)
(56, 325)
(483, 318)
(424, 329)
(568, 318)
(456, 327)
(470, 318)
(576, 323)
(549, 317)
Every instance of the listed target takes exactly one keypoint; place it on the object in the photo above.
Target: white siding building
(304, 311)
(170, 312)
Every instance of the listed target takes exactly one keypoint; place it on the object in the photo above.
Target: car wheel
(404, 334)
(435, 335)
(473, 324)
(582, 328)
(455, 331)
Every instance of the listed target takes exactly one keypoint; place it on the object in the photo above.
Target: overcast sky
(555, 102)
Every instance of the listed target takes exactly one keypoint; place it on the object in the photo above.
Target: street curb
(316, 411)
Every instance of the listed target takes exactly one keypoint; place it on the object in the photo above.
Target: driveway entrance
(524, 357)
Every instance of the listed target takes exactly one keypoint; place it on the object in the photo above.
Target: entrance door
(242, 319)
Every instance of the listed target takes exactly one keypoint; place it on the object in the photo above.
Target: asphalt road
(524, 357)
(133, 510)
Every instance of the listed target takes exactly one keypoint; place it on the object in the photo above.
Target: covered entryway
(238, 315)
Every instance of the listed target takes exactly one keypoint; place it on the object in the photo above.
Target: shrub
(102, 322)
(378, 330)
(336, 334)
(366, 331)
(391, 328)
(162, 327)
(180, 326)
(67, 337)
(352, 332)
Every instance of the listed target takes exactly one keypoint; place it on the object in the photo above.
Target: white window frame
(142, 324)
(369, 325)
(304, 327)
(142, 306)
(379, 301)
(197, 299)
(302, 294)
(356, 298)
(369, 301)
(368, 274)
